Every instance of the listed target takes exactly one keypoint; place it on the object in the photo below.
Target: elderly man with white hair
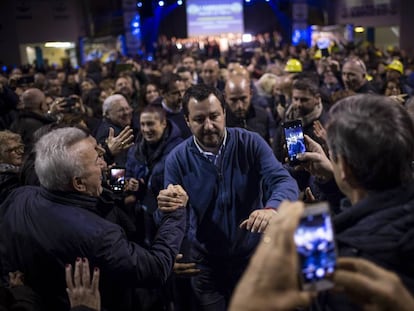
(115, 132)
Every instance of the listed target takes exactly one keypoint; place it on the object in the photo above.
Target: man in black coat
(240, 112)
(115, 133)
(371, 151)
(33, 115)
(44, 228)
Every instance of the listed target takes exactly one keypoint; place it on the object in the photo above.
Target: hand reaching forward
(270, 281)
(185, 269)
(80, 288)
(258, 220)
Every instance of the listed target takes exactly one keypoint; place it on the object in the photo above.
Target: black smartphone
(25, 80)
(282, 100)
(325, 53)
(69, 103)
(295, 141)
(117, 178)
(314, 239)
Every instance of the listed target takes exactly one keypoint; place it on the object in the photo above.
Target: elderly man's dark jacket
(379, 228)
(42, 231)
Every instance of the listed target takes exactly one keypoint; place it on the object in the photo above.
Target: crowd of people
(205, 214)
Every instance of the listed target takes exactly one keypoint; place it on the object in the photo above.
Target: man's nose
(239, 104)
(208, 124)
(296, 103)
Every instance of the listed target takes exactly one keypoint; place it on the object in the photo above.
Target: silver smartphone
(314, 239)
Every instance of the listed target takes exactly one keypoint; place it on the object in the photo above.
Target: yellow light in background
(359, 29)
(64, 45)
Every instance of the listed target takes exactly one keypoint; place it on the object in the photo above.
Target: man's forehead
(148, 116)
(211, 100)
(352, 67)
(302, 93)
(120, 102)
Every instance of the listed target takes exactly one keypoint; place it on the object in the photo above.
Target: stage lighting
(180, 2)
(247, 37)
(161, 3)
(139, 4)
(247, 1)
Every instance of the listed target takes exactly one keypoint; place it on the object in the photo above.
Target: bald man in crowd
(354, 76)
(210, 74)
(32, 116)
(241, 112)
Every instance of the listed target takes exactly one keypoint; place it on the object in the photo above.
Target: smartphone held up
(314, 239)
(117, 179)
(294, 139)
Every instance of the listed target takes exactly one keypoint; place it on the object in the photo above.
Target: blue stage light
(161, 3)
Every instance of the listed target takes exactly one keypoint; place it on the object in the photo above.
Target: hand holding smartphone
(314, 239)
(117, 178)
(295, 142)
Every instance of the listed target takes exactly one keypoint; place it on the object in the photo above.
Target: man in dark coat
(240, 112)
(44, 228)
(371, 151)
(115, 133)
(33, 115)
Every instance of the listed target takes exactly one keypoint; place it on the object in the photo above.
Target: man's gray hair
(109, 101)
(56, 164)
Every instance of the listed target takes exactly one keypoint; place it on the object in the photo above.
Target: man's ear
(78, 185)
(346, 173)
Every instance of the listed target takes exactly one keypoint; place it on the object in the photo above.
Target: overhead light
(179, 2)
(359, 29)
(161, 3)
(139, 4)
(62, 45)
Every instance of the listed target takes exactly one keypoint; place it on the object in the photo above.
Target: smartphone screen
(314, 239)
(117, 178)
(295, 141)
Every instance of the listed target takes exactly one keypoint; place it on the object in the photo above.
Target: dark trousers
(214, 286)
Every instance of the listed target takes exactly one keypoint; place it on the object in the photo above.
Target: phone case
(315, 243)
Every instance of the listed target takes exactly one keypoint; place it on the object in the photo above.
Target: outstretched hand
(270, 281)
(185, 269)
(258, 220)
(80, 288)
(123, 141)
